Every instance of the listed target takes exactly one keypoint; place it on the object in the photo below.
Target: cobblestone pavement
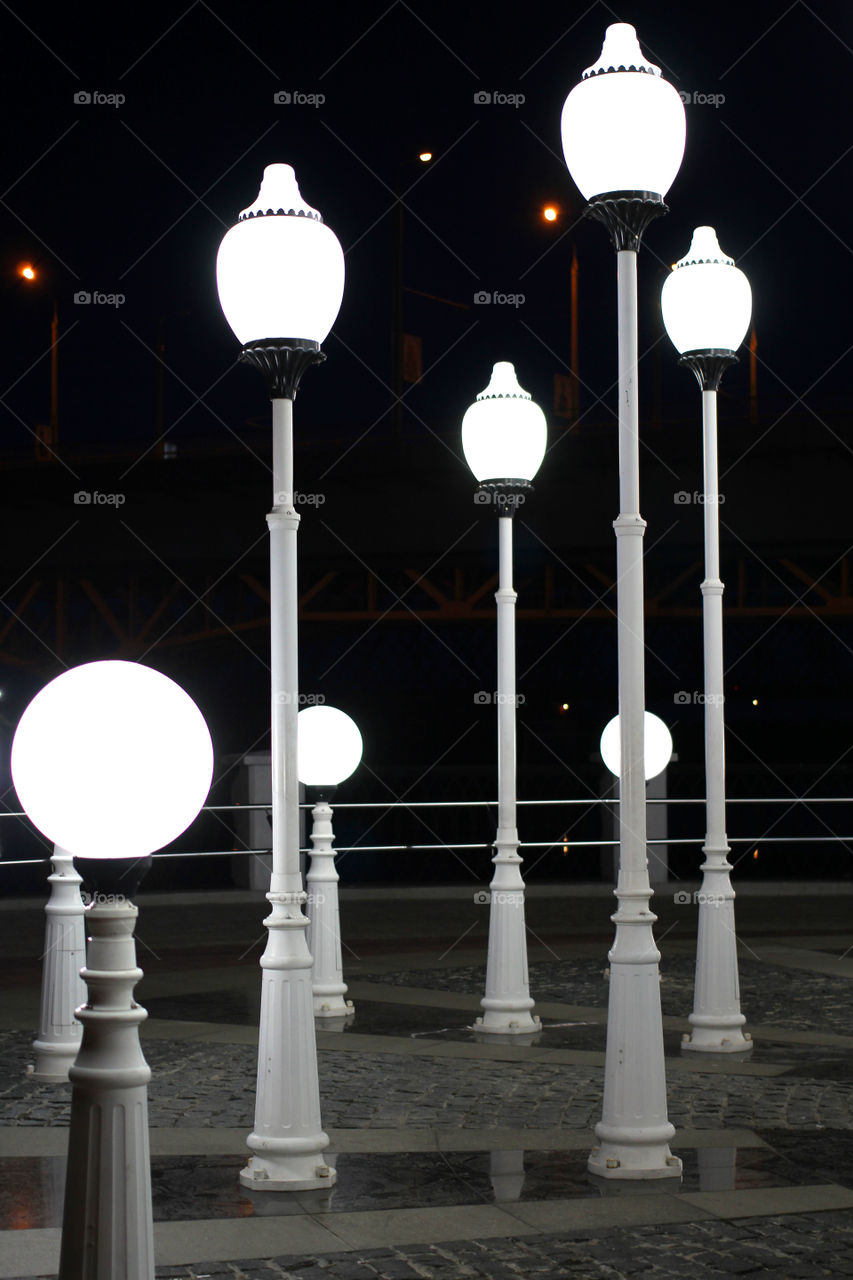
(805, 1115)
(790, 1248)
(769, 993)
(195, 1085)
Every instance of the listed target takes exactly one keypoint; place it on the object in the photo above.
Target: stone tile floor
(764, 1209)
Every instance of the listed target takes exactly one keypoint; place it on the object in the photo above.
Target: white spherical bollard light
(657, 745)
(111, 760)
(329, 750)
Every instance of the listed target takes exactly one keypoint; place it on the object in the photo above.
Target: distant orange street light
(549, 213)
(27, 271)
(425, 157)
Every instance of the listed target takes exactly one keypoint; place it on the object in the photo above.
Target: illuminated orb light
(329, 746)
(658, 745)
(706, 301)
(623, 125)
(112, 760)
(280, 269)
(504, 432)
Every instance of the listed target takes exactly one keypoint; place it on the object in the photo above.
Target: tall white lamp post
(707, 307)
(280, 275)
(623, 134)
(504, 435)
(330, 749)
(62, 988)
(111, 760)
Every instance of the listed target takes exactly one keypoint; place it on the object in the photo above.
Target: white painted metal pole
(288, 1139)
(62, 988)
(716, 1019)
(507, 1002)
(634, 1131)
(324, 930)
(107, 1221)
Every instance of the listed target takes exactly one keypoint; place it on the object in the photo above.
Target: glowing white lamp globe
(706, 300)
(623, 126)
(112, 760)
(329, 746)
(280, 270)
(658, 745)
(504, 433)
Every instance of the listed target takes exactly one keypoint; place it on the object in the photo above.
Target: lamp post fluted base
(324, 928)
(287, 1142)
(332, 1006)
(634, 1073)
(716, 1019)
(507, 1003)
(62, 988)
(716, 1039)
(107, 1222)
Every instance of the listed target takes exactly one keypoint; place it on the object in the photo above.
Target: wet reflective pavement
(186, 1188)
(464, 1154)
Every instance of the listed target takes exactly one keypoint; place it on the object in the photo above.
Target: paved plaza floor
(456, 1157)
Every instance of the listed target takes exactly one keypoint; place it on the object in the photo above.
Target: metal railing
(563, 841)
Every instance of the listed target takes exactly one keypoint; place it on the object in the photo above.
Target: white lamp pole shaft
(107, 1228)
(507, 1002)
(716, 1018)
(324, 930)
(288, 1139)
(62, 988)
(634, 1131)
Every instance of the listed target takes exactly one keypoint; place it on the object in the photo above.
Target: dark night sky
(134, 199)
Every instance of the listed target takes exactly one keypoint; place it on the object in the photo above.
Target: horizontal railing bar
(493, 804)
(481, 844)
